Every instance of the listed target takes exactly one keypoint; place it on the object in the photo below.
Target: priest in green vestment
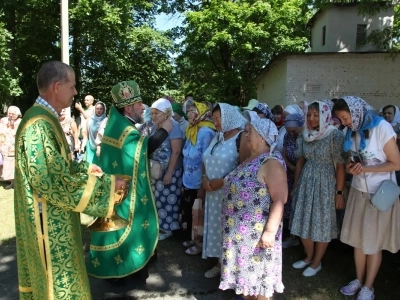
(117, 254)
(50, 192)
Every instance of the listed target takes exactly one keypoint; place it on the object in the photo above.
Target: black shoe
(116, 281)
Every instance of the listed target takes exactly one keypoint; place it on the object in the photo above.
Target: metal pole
(65, 39)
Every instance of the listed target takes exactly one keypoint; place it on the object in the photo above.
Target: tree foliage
(110, 41)
(227, 43)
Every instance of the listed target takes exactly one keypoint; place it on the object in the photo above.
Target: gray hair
(51, 72)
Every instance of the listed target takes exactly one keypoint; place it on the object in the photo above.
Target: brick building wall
(312, 76)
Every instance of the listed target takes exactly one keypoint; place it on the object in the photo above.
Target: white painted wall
(341, 28)
(371, 76)
(272, 89)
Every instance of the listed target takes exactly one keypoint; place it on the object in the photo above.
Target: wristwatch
(339, 192)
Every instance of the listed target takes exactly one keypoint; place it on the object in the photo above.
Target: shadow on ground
(178, 276)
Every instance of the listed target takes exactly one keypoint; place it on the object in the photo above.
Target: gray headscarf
(294, 120)
(268, 130)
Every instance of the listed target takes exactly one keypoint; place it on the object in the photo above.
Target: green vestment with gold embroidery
(50, 256)
(116, 254)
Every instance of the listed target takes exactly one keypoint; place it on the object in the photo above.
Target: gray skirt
(368, 229)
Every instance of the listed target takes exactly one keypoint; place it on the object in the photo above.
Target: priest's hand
(96, 169)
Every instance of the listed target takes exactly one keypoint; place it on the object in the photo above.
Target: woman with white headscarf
(8, 129)
(252, 209)
(168, 189)
(219, 159)
(94, 123)
(318, 190)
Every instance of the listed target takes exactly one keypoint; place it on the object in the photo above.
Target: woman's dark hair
(340, 104)
(277, 110)
(314, 106)
(216, 108)
(389, 106)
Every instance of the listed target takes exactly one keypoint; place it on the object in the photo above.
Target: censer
(115, 222)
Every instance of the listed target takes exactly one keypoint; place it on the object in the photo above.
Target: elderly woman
(318, 190)
(252, 209)
(371, 141)
(90, 133)
(168, 189)
(220, 158)
(8, 129)
(199, 134)
(294, 124)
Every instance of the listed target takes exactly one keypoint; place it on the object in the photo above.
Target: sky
(165, 22)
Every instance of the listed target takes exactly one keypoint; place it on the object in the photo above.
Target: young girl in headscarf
(318, 187)
(371, 141)
(279, 120)
(199, 134)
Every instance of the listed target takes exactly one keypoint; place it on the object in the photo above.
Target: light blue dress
(223, 159)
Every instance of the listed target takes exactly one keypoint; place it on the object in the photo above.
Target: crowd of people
(253, 171)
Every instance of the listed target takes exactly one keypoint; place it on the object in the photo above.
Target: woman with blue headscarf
(90, 133)
(294, 124)
(371, 143)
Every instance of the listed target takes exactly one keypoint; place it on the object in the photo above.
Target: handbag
(156, 170)
(386, 195)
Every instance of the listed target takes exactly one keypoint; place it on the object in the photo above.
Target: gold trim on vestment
(111, 197)
(48, 253)
(135, 174)
(25, 289)
(39, 232)
(87, 194)
(121, 140)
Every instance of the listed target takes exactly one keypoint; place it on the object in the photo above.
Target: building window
(361, 34)
(323, 35)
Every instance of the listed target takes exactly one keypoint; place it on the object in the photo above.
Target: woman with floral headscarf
(220, 158)
(199, 134)
(318, 191)
(372, 146)
(94, 123)
(8, 129)
(252, 209)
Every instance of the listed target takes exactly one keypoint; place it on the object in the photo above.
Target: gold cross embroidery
(140, 249)
(118, 259)
(144, 200)
(145, 225)
(95, 262)
(114, 164)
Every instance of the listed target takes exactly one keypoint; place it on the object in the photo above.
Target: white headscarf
(324, 128)
(164, 106)
(14, 110)
(396, 118)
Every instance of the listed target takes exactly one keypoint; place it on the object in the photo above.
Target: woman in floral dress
(252, 209)
(318, 191)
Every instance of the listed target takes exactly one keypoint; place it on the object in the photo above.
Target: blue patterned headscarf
(363, 117)
(268, 131)
(265, 110)
(294, 120)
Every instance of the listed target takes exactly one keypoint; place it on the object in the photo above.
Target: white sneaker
(290, 242)
(300, 264)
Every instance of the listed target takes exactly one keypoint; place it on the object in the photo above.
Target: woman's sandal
(188, 244)
(164, 235)
(214, 272)
(194, 250)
